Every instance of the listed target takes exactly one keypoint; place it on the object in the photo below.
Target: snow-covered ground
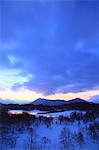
(64, 113)
(56, 135)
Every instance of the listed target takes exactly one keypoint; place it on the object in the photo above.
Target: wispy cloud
(50, 47)
(11, 77)
(26, 95)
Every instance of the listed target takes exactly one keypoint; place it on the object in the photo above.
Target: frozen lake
(44, 113)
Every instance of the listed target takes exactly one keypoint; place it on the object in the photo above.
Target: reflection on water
(32, 112)
(44, 113)
(36, 112)
(15, 111)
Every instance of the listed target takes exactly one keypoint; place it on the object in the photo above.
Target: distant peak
(43, 101)
(78, 100)
(40, 99)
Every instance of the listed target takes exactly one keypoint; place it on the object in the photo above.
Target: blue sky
(49, 48)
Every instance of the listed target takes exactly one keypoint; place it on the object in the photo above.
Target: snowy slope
(44, 136)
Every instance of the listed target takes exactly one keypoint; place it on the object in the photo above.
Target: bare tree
(93, 131)
(45, 143)
(80, 138)
(66, 139)
(8, 138)
(31, 142)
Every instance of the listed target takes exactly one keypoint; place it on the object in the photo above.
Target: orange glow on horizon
(28, 95)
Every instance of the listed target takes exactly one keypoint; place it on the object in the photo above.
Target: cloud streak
(26, 95)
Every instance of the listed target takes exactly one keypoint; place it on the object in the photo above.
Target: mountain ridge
(43, 101)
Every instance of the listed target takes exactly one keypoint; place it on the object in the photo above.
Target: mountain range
(42, 101)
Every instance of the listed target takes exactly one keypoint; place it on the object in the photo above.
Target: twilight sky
(49, 49)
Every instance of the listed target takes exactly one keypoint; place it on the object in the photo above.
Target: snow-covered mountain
(57, 102)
